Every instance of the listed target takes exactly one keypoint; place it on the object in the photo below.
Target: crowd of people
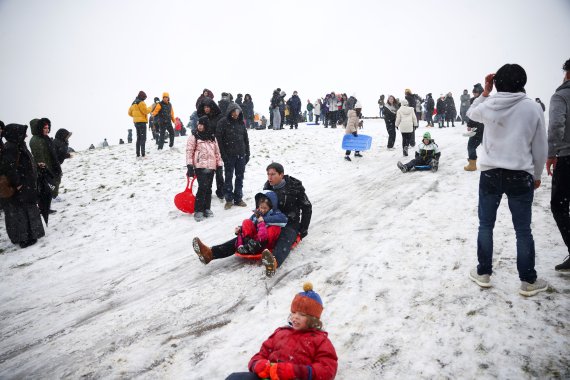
(218, 148)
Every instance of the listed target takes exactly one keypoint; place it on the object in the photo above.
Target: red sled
(185, 200)
(258, 256)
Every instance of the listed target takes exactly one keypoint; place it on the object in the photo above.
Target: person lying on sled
(262, 229)
(427, 154)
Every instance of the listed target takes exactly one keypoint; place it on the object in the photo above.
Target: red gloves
(261, 368)
(282, 371)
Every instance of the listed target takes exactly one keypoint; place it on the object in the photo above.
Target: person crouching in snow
(262, 229)
(352, 127)
(202, 159)
(427, 153)
(301, 350)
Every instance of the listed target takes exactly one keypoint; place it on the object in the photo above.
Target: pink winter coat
(203, 154)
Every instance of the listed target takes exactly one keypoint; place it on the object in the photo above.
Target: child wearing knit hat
(301, 350)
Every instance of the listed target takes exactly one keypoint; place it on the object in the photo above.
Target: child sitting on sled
(427, 154)
(262, 229)
(301, 350)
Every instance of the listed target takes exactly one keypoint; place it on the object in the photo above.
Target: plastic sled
(185, 200)
(360, 142)
(433, 168)
(258, 256)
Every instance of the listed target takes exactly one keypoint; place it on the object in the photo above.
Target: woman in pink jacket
(203, 158)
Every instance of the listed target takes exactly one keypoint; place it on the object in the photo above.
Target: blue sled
(360, 142)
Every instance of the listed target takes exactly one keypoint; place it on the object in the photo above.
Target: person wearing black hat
(476, 129)
(164, 114)
(558, 162)
(512, 161)
(139, 112)
(210, 109)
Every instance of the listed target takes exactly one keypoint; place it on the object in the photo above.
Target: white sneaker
(527, 289)
(483, 280)
(58, 199)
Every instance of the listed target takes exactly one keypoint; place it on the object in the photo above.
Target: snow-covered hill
(115, 290)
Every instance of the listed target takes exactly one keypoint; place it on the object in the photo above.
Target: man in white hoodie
(512, 157)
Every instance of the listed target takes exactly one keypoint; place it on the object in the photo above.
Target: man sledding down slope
(292, 201)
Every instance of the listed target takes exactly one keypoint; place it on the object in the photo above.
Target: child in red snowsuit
(262, 229)
(299, 351)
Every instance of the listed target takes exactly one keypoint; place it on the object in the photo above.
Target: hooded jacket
(514, 137)
(61, 144)
(214, 115)
(43, 148)
(294, 203)
(232, 134)
(203, 154)
(559, 122)
(352, 124)
(274, 217)
(406, 118)
(139, 111)
(310, 351)
(18, 164)
(201, 97)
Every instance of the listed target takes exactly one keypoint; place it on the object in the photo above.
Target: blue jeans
(237, 164)
(518, 185)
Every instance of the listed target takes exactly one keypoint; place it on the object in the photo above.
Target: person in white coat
(317, 111)
(406, 121)
(512, 157)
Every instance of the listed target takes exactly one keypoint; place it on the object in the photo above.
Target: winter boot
(434, 165)
(402, 167)
(269, 261)
(471, 167)
(228, 205)
(564, 267)
(203, 251)
(357, 154)
(198, 216)
(240, 203)
(347, 158)
(253, 246)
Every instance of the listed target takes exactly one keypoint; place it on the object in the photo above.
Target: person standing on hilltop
(139, 112)
(165, 114)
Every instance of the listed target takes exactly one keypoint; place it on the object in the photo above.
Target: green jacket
(42, 147)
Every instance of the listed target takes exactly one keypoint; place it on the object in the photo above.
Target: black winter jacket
(294, 203)
(232, 135)
(214, 115)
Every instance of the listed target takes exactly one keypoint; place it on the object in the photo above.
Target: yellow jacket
(139, 112)
(158, 108)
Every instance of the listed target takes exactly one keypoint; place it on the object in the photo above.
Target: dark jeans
(391, 128)
(406, 138)
(141, 138)
(243, 376)
(332, 116)
(237, 164)
(560, 198)
(518, 185)
(205, 178)
(473, 143)
(220, 182)
(163, 129)
(429, 118)
(249, 123)
(282, 248)
(317, 119)
(413, 137)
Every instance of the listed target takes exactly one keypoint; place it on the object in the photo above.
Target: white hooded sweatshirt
(515, 136)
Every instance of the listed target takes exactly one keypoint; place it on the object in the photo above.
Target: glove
(246, 158)
(303, 234)
(261, 368)
(282, 371)
(190, 172)
(354, 134)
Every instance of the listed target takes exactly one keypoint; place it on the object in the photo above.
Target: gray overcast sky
(81, 63)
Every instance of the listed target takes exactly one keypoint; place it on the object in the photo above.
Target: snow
(115, 289)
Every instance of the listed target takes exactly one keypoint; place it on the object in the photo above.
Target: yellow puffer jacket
(139, 112)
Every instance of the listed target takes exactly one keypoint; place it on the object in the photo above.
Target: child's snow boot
(402, 167)
(471, 167)
(269, 261)
(203, 251)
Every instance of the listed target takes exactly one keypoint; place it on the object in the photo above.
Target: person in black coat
(293, 202)
(248, 113)
(61, 144)
(294, 104)
(450, 110)
(430, 105)
(22, 216)
(389, 110)
(234, 148)
(209, 108)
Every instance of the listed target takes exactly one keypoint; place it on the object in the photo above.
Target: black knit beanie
(510, 78)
